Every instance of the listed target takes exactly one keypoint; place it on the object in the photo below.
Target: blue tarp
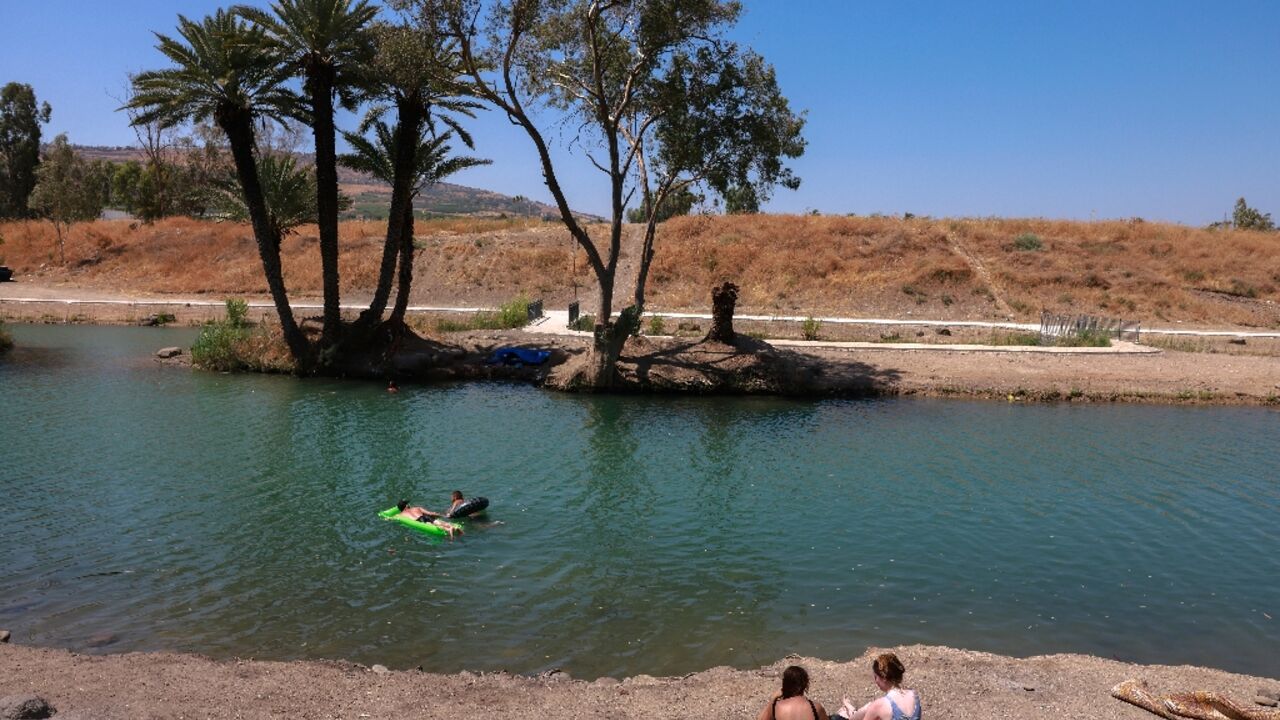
(518, 356)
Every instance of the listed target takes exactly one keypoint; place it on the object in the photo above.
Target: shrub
(810, 328)
(1086, 338)
(165, 318)
(218, 346)
(584, 323)
(1028, 242)
(513, 314)
(237, 311)
(657, 325)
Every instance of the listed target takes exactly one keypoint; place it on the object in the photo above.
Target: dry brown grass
(794, 265)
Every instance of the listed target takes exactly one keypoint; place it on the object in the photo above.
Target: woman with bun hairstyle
(790, 703)
(898, 702)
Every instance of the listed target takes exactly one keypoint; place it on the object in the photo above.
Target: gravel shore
(953, 684)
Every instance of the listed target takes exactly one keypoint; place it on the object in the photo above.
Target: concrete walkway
(555, 322)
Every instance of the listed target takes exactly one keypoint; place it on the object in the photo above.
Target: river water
(153, 508)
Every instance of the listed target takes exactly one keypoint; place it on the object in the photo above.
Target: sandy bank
(953, 683)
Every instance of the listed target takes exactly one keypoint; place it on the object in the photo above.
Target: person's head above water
(795, 681)
(457, 495)
(402, 505)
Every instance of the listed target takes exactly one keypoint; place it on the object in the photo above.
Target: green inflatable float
(391, 514)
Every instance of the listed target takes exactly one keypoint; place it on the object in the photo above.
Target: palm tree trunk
(408, 129)
(321, 91)
(405, 280)
(239, 129)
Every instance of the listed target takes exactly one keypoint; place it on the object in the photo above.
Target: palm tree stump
(723, 300)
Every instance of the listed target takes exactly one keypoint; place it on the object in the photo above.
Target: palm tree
(418, 74)
(326, 43)
(225, 70)
(431, 163)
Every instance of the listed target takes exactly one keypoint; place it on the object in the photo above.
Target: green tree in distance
(678, 203)
(660, 102)
(20, 120)
(68, 190)
(224, 70)
(1247, 218)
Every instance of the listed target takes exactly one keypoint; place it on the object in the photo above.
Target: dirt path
(952, 684)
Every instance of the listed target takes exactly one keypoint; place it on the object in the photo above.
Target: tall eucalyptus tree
(659, 101)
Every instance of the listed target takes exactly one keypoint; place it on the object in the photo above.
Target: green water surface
(150, 508)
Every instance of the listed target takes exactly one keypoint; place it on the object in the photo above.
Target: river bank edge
(953, 684)
(685, 367)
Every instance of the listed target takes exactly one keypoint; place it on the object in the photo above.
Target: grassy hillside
(951, 269)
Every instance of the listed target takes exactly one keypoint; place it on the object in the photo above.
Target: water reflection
(234, 515)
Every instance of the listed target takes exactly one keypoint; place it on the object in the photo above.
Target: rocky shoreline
(953, 684)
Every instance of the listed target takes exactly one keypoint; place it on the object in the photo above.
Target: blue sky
(1078, 109)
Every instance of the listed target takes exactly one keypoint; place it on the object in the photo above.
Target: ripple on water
(236, 516)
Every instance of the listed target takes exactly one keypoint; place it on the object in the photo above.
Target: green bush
(657, 325)
(237, 310)
(1028, 242)
(810, 328)
(584, 323)
(218, 346)
(165, 318)
(1086, 338)
(514, 314)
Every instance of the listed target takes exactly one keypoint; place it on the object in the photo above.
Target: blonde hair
(888, 667)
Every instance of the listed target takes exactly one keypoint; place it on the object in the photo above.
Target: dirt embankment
(952, 684)
(1156, 273)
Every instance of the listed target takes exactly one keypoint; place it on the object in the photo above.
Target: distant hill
(371, 199)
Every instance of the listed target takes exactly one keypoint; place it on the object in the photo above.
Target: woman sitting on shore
(898, 703)
(790, 703)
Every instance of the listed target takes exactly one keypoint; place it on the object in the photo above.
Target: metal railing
(1059, 326)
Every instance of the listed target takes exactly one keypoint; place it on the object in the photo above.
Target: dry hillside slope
(796, 265)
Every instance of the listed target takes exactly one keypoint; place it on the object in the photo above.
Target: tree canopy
(67, 191)
(20, 120)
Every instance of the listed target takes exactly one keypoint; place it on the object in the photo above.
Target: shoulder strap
(814, 708)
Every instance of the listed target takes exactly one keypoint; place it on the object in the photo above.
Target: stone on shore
(24, 707)
(169, 352)
(380, 669)
(4, 636)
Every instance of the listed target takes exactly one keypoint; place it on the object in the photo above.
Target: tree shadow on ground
(748, 366)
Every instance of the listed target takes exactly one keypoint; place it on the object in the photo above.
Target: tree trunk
(320, 86)
(606, 347)
(405, 280)
(723, 300)
(238, 126)
(408, 130)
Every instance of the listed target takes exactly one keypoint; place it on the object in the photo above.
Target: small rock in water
(168, 352)
(4, 636)
(101, 639)
(24, 707)
(380, 669)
